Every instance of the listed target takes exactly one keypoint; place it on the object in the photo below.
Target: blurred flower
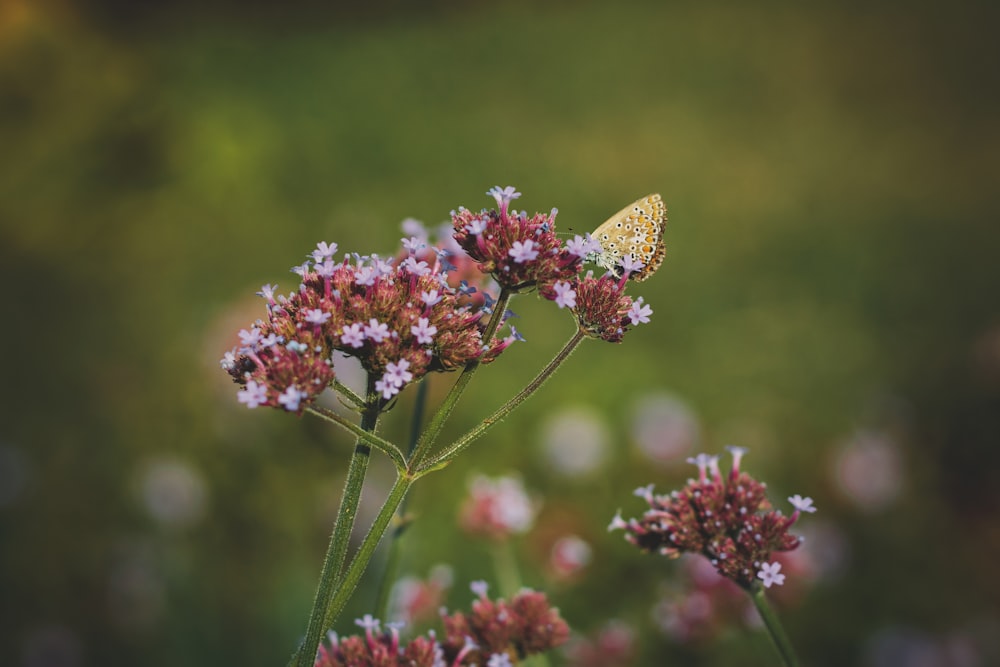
(869, 470)
(495, 632)
(575, 441)
(497, 508)
(614, 646)
(569, 555)
(686, 617)
(729, 521)
(414, 600)
(709, 603)
(173, 492)
(664, 427)
(824, 553)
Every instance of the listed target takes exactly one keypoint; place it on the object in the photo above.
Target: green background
(831, 176)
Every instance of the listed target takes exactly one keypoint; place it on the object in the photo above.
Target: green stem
(505, 566)
(396, 538)
(456, 448)
(330, 579)
(451, 400)
(773, 625)
(348, 393)
(368, 437)
(365, 552)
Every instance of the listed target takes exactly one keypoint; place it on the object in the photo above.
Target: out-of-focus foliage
(829, 300)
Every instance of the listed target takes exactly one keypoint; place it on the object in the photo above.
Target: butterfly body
(635, 231)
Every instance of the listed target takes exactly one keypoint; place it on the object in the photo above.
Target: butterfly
(636, 231)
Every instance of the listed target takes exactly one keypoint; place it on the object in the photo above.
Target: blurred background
(829, 300)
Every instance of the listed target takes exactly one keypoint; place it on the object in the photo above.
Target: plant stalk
(365, 552)
(367, 437)
(773, 625)
(430, 435)
(456, 448)
(330, 579)
(392, 562)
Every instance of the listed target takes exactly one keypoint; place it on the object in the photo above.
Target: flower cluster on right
(728, 520)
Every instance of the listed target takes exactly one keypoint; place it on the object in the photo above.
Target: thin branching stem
(331, 580)
(368, 437)
(365, 552)
(430, 435)
(401, 523)
(456, 448)
(348, 393)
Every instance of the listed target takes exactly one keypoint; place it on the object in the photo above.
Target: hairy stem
(402, 523)
(365, 552)
(368, 437)
(773, 625)
(456, 448)
(429, 436)
(330, 579)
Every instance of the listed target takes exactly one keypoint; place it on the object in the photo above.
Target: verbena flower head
(494, 632)
(728, 520)
(601, 307)
(401, 319)
(520, 252)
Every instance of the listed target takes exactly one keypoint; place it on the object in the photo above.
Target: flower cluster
(727, 520)
(400, 318)
(520, 252)
(602, 308)
(495, 633)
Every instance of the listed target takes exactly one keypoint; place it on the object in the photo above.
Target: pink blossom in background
(414, 600)
(664, 428)
(575, 441)
(569, 556)
(173, 492)
(612, 646)
(869, 470)
(497, 508)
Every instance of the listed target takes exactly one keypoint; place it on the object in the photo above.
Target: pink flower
(770, 574)
(565, 295)
(520, 252)
(523, 252)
